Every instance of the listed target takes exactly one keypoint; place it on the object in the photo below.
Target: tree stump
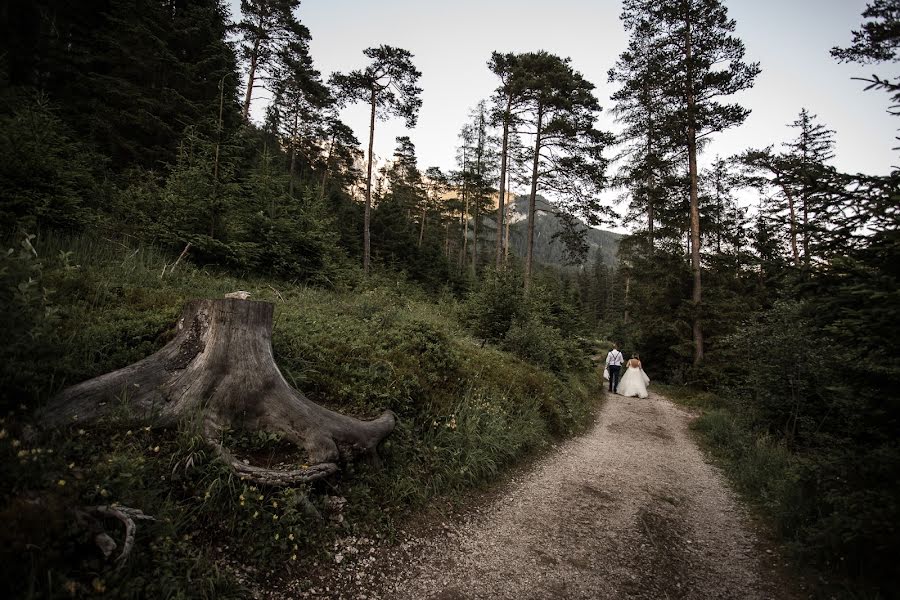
(219, 368)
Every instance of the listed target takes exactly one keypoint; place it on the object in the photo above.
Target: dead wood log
(220, 368)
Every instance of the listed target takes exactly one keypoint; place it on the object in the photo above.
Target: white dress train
(634, 383)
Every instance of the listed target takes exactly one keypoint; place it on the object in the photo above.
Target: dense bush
(542, 327)
(811, 435)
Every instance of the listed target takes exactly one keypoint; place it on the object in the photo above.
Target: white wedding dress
(634, 383)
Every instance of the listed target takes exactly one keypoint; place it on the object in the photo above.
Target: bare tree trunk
(501, 202)
(422, 226)
(480, 189)
(220, 369)
(215, 186)
(506, 235)
(805, 201)
(696, 296)
(465, 215)
(325, 170)
(293, 151)
(792, 220)
(650, 187)
(367, 216)
(627, 289)
(251, 77)
(529, 247)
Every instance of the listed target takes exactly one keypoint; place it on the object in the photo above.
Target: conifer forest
(246, 354)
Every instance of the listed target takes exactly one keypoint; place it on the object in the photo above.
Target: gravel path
(628, 510)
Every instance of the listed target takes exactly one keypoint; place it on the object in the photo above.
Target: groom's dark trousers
(614, 377)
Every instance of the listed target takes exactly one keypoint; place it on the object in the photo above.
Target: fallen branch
(177, 260)
(127, 517)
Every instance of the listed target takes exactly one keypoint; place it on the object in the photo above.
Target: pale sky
(452, 42)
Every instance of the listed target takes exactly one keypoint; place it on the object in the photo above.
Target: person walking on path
(614, 362)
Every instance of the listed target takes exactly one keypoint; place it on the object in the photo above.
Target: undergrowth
(82, 306)
(773, 478)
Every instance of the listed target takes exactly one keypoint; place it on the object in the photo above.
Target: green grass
(758, 466)
(467, 413)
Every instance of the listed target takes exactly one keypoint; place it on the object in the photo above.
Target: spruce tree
(648, 139)
(297, 110)
(267, 27)
(811, 149)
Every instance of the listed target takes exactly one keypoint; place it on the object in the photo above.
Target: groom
(614, 362)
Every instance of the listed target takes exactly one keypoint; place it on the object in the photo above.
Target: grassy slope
(466, 413)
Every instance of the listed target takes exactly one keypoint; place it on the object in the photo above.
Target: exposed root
(273, 477)
(127, 517)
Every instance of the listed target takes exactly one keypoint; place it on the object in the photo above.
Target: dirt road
(628, 510)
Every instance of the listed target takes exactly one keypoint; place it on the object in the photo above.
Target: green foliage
(466, 414)
(540, 344)
(497, 303)
(805, 429)
(28, 320)
(46, 177)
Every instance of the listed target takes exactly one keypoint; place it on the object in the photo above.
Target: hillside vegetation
(83, 306)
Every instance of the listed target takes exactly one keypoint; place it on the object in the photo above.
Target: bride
(634, 382)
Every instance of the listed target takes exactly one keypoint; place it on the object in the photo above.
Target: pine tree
(388, 84)
(507, 104)
(341, 156)
(703, 62)
(566, 153)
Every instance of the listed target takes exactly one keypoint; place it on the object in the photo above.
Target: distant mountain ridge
(550, 251)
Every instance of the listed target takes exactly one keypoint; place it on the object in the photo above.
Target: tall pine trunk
(367, 215)
(804, 198)
(696, 296)
(649, 183)
(529, 247)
